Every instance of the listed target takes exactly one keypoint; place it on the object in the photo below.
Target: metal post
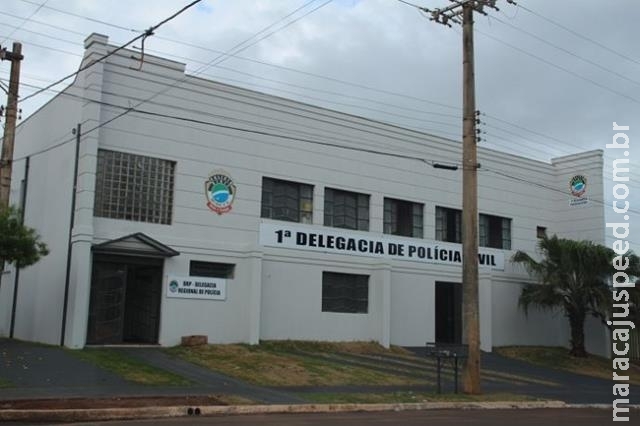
(438, 369)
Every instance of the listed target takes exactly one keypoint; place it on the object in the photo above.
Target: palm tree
(573, 276)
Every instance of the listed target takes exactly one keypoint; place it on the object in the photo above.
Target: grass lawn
(294, 363)
(559, 359)
(407, 397)
(5, 383)
(129, 368)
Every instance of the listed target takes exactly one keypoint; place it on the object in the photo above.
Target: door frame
(126, 261)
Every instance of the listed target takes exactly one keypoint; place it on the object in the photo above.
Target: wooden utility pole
(6, 160)
(471, 315)
(461, 12)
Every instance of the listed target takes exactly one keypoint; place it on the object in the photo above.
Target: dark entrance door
(448, 312)
(125, 300)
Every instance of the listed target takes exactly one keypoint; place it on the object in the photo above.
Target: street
(548, 417)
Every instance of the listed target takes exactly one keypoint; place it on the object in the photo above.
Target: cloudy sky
(551, 75)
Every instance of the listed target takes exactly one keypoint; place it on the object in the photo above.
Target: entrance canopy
(137, 244)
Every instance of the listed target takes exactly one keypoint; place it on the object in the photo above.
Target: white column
(82, 232)
(382, 284)
(254, 263)
(485, 300)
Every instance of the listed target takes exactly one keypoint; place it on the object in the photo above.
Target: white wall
(38, 314)
(292, 303)
(512, 327)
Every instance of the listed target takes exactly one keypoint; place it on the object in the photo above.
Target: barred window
(134, 187)
(448, 225)
(403, 218)
(495, 232)
(211, 269)
(346, 293)
(285, 200)
(345, 209)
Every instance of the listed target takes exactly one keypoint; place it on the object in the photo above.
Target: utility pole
(6, 160)
(461, 12)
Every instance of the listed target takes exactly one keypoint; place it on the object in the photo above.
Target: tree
(19, 244)
(573, 276)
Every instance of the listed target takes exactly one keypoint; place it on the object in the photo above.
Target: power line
(94, 20)
(568, 52)
(40, 6)
(540, 185)
(189, 120)
(561, 68)
(147, 33)
(341, 81)
(577, 34)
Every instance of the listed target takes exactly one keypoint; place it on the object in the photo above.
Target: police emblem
(220, 192)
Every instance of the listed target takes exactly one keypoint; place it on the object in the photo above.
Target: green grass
(291, 363)
(5, 383)
(407, 397)
(129, 368)
(559, 359)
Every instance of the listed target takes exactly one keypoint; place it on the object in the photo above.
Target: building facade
(215, 210)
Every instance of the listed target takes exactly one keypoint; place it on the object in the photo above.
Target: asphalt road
(537, 417)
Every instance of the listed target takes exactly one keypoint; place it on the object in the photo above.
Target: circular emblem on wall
(220, 192)
(173, 286)
(578, 185)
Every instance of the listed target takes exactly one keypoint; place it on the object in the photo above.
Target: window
(495, 232)
(347, 293)
(134, 187)
(344, 209)
(541, 232)
(402, 218)
(285, 200)
(448, 225)
(211, 269)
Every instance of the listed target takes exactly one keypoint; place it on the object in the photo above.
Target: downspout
(23, 205)
(72, 216)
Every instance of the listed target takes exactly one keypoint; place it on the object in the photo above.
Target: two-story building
(174, 205)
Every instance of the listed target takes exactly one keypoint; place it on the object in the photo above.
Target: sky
(551, 76)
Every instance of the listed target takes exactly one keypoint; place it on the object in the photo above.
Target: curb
(79, 415)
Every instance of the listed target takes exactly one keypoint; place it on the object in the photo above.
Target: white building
(320, 235)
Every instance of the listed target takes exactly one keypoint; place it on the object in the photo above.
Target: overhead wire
(146, 33)
(579, 35)
(24, 21)
(564, 50)
(344, 82)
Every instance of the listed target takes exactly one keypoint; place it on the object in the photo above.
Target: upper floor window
(403, 218)
(134, 187)
(345, 209)
(448, 225)
(286, 200)
(495, 232)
